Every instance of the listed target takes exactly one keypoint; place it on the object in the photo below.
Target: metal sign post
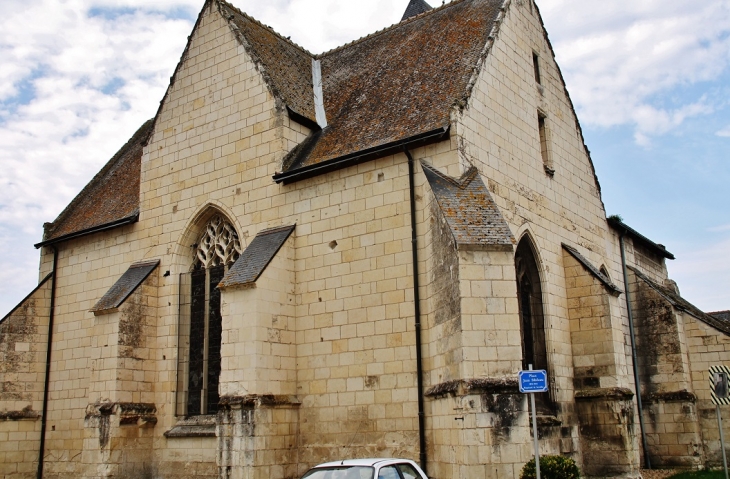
(534, 382)
(719, 393)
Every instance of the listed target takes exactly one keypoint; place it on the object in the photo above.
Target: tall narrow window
(532, 319)
(201, 323)
(536, 66)
(545, 144)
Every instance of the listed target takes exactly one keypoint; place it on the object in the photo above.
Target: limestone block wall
(668, 397)
(120, 417)
(490, 316)
(479, 429)
(499, 134)
(219, 138)
(608, 433)
(707, 347)
(596, 335)
(444, 299)
(86, 269)
(186, 458)
(355, 325)
(23, 342)
(259, 332)
(258, 438)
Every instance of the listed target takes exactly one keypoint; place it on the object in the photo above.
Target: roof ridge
(259, 23)
(389, 28)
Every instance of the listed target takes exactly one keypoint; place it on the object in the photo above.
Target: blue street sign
(533, 381)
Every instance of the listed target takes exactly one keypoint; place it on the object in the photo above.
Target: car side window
(408, 471)
(388, 472)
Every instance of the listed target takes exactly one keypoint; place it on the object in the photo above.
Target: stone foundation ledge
(604, 393)
(130, 414)
(251, 401)
(193, 426)
(669, 396)
(26, 414)
(464, 387)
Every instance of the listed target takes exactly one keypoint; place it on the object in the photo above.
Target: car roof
(372, 462)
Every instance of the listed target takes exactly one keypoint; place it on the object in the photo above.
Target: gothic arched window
(215, 251)
(532, 317)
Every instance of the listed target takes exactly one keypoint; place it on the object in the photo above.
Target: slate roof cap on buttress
(682, 304)
(125, 286)
(595, 272)
(473, 216)
(256, 257)
(110, 197)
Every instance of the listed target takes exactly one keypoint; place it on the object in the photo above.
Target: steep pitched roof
(285, 66)
(682, 304)
(110, 198)
(415, 7)
(472, 215)
(623, 228)
(398, 83)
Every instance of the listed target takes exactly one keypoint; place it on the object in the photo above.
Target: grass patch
(699, 475)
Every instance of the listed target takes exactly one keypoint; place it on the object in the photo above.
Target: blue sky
(650, 80)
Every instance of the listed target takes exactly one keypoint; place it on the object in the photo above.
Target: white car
(367, 469)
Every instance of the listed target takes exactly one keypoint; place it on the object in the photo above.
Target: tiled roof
(622, 227)
(415, 7)
(399, 82)
(256, 257)
(470, 211)
(111, 196)
(721, 315)
(285, 66)
(592, 269)
(682, 304)
(125, 286)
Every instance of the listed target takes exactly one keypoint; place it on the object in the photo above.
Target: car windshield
(340, 472)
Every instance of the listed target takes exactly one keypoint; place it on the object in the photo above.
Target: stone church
(303, 258)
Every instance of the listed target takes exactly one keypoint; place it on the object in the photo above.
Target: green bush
(551, 467)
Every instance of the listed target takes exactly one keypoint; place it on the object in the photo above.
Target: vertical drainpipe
(44, 417)
(417, 305)
(637, 382)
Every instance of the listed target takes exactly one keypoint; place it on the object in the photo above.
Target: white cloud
(93, 71)
(725, 132)
(703, 275)
(53, 141)
(619, 57)
(320, 25)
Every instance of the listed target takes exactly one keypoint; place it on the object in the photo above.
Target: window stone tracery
(218, 246)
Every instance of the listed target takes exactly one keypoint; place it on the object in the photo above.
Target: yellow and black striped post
(719, 379)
